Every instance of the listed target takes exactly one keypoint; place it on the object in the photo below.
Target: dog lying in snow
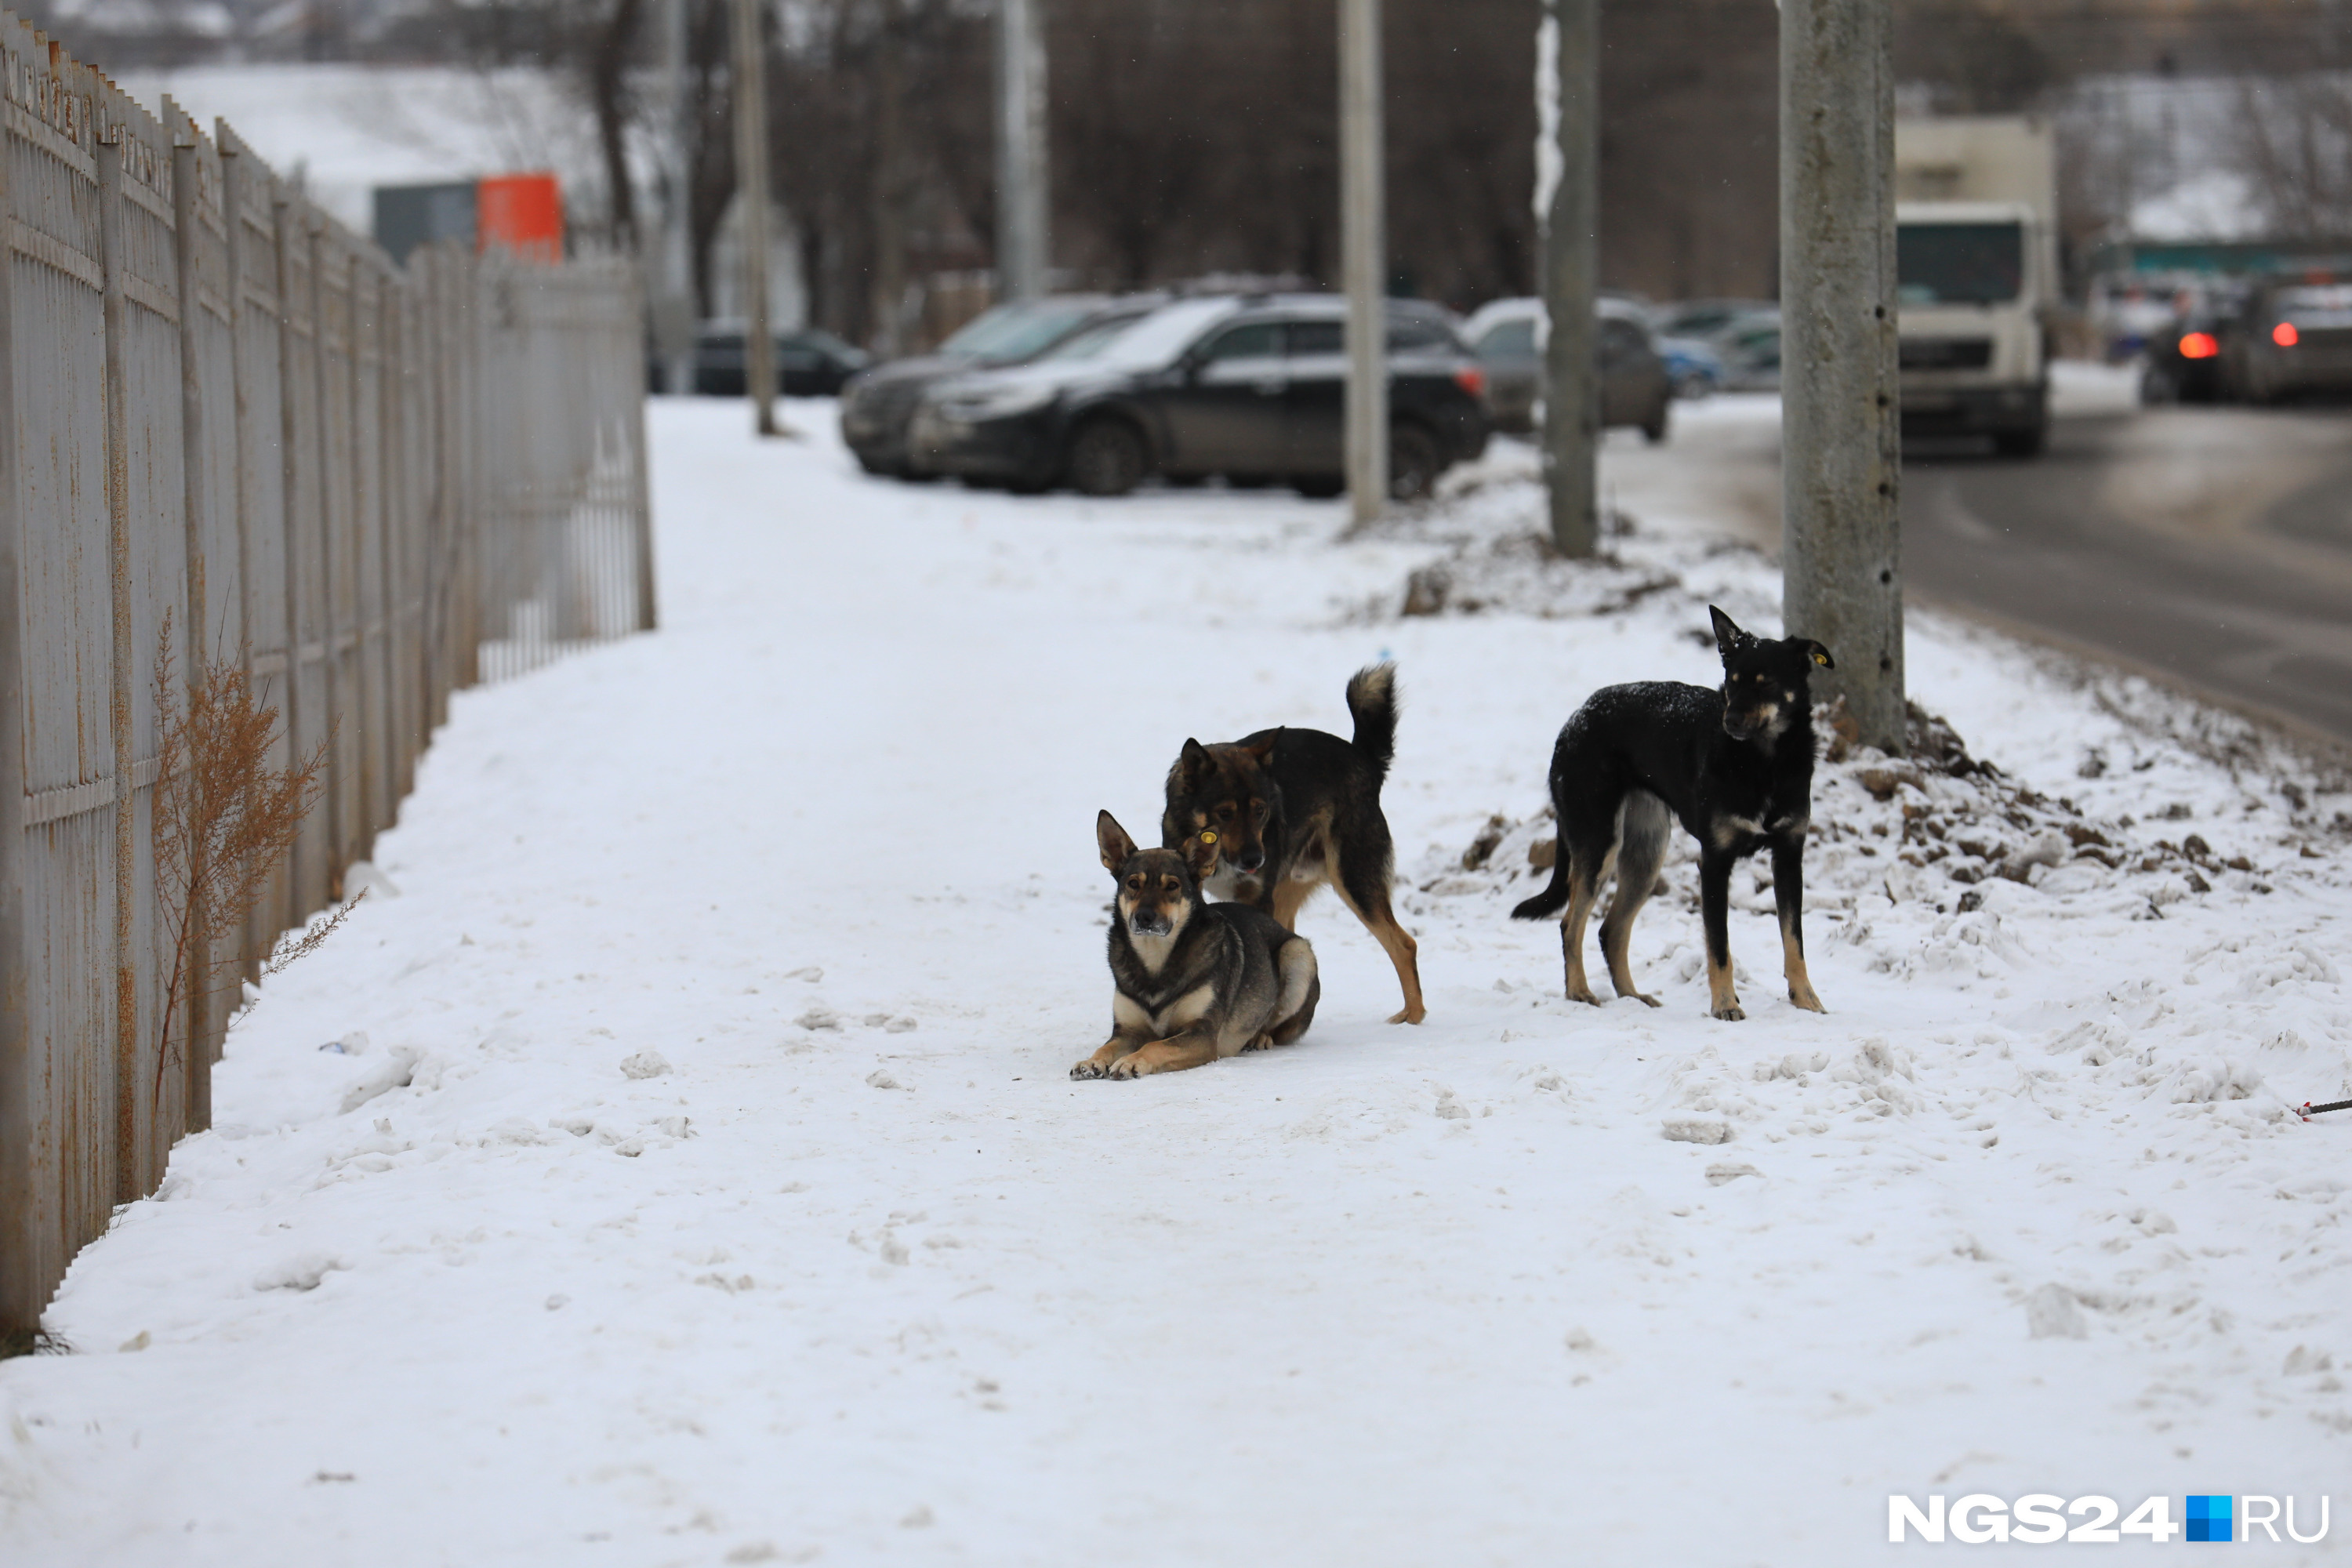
(1734, 766)
(1192, 981)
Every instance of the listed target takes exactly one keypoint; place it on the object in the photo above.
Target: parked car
(1693, 366)
(810, 362)
(1704, 319)
(2291, 340)
(878, 405)
(1250, 387)
(1635, 386)
(1749, 348)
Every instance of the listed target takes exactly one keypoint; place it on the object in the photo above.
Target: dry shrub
(224, 817)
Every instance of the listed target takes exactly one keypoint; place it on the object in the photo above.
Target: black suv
(1251, 388)
(877, 406)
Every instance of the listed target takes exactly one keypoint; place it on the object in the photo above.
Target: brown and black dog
(1290, 810)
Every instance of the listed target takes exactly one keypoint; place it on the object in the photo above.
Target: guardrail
(226, 420)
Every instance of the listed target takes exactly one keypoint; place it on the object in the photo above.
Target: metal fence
(225, 417)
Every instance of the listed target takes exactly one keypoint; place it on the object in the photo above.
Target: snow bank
(737, 1207)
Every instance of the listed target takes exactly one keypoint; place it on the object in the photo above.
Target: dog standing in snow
(1194, 981)
(1292, 809)
(1734, 766)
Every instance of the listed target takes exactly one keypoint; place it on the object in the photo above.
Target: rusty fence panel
(232, 428)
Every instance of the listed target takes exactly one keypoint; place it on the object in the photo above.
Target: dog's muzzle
(1251, 864)
(1149, 925)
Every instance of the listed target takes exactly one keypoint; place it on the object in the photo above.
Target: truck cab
(1976, 249)
(1972, 297)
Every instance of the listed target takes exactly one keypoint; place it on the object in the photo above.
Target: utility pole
(673, 312)
(1361, 221)
(1024, 184)
(1567, 208)
(1841, 466)
(750, 69)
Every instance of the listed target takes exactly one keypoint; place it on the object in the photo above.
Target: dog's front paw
(1089, 1068)
(1136, 1065)
(1412, 1015)
(1644, 997)
(1730, 1012)
(1803, 996)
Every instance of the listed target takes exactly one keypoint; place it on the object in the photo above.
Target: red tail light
(2285, 335)
(1471, 380)
(2198, 345)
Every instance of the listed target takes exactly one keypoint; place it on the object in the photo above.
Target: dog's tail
(1372, 698)
(1554, 898)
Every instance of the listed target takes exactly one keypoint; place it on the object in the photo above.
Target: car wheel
(1653, 429)
(1108, 458)
(1413, 462)
(1318, 487)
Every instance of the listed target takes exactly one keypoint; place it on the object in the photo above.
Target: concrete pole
(1841, 550)
(751, 70)
(1023, 186)
(673, 291)
(1361, 222)
(1567, 208)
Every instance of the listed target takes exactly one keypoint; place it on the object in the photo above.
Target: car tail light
(2198, 345)
(1471, 380)
(2285, 335)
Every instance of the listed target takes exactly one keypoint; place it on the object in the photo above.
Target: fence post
(27, 1196)
(196, 1030)
(118, 516)
(641, 528)
(282, 213)
(331, 638)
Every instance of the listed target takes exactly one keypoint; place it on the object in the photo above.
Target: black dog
(1289, 810)
(1735, 767)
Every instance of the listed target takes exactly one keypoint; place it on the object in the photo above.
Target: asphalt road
(2210, 545)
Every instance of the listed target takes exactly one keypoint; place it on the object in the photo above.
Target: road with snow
(683, 1167)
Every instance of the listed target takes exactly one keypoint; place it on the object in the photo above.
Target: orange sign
(521, 215)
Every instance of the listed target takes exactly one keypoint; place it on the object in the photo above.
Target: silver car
(1636, 387)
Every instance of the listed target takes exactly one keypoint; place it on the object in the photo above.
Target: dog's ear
(1200, 855)
(1263, 752)
(1729, 638)
(1191, 765)
(1117, 847)
(1818, 654)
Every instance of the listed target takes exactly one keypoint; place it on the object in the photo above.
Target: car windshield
(2315, 309)
(1141, 342)
(1012, 332)
(1958, 263)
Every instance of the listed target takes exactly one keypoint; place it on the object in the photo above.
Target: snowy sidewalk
(852, 1273)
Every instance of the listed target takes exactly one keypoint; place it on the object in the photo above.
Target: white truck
(1976, 274)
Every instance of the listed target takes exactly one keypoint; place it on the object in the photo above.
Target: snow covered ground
(708, 1188)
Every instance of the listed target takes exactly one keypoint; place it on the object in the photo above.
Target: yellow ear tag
(1822, 659)
(1208, 838)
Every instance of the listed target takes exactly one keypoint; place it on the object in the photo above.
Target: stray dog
(1292, 809)
(1734, 766)
(1194, 981)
